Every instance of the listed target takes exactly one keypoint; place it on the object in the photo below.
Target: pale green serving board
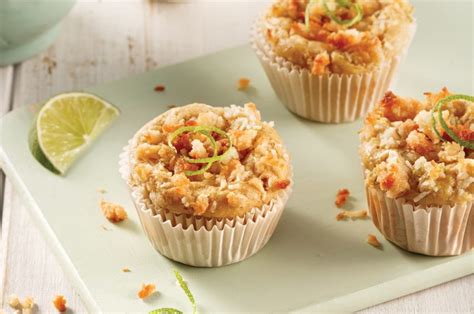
(312, 262)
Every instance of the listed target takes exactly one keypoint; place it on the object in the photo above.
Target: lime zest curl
(342, 3)
(307, 13)
(206, 131)
(186, 290)
(345, 4)
(184, 286)
(166, 310)
(438, 108)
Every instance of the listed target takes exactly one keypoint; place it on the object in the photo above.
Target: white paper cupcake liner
(328, 98)
(435, 231)
(205, 242)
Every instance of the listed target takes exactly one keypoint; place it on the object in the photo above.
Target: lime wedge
(66, 125)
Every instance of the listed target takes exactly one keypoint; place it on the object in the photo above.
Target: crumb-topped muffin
(209, 183)
(327, 37)
(404, 157)
(418, 158)
(253, 168)
(331, 60)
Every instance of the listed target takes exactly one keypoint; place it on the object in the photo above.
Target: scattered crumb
(101, 190)
(14, 302)
(159, 88)
(113, 212)
(372, 240)
(243, 83)
(28, 303)
(357, 214)
(146, 291)
(341, 197)
(172, 106)
(126, 270)
(60, 303)
(50, 64)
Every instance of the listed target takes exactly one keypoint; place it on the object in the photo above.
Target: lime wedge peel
(66, 125)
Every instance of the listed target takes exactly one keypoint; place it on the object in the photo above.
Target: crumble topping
(372, 240)
(356, 214)
(404, 157)
(243, 83)
(328, 47)
(341, 197)
(60, 303)
(14, 302)
(113, 212)
(146, 291)
(252, 173)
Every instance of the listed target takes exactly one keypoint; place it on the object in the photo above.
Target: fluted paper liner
(205, 242)
(436, 231)
(328, 98)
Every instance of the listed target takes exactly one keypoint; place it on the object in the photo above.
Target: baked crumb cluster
(404, 157)
(252, 172)
(328, 47)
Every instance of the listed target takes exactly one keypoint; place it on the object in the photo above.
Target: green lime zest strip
(165, 310)
(345, 4)
(307, 13)
(444, 125)
(205, 130)
(186, 290)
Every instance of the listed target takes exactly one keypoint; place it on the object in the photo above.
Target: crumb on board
(355, 214)
(341, 197)
(28, 303)
(14, 302)
(50, 64)
(60, 303)
(372, 240)
(126, 270)
(243, 83)
(159, 88)
(113, 212)
(146, 291)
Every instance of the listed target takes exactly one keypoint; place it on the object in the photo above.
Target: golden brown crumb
(159, 88)
(341, 197)
(60, 303)
(372, 240)
(14, 302)
(113, 212)
(126, 270)
(28, 303)
(146, 291)
(243, 83)
(50, 64)
(357, 214)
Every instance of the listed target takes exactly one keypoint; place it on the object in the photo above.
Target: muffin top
(408, 154)
(209, 161)
(338, 36)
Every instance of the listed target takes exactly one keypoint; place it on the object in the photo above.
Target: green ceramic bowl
(29, 27)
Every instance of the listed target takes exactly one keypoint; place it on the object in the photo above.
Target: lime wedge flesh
(66, 125)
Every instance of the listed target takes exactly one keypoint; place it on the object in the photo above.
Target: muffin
(330, 61)
(419, 171)
(209, 183)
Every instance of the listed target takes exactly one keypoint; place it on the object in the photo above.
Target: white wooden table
(107, 40)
